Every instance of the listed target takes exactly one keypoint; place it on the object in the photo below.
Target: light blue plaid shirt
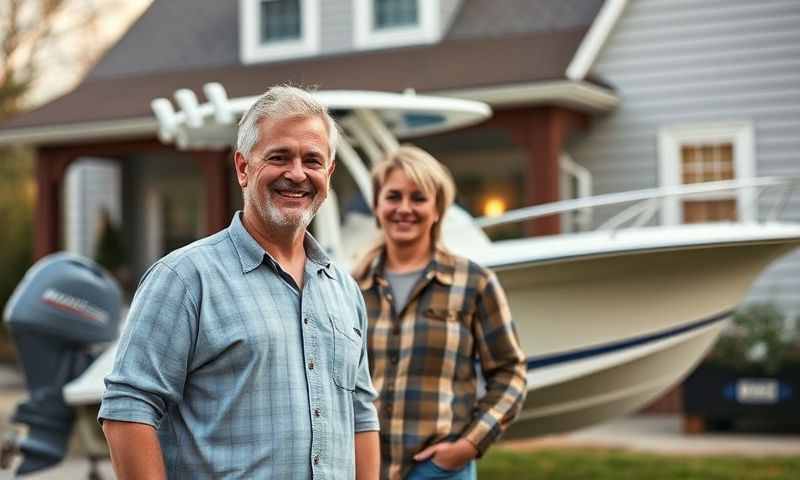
(243, 375)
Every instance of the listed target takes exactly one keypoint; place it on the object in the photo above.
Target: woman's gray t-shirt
(401, 285)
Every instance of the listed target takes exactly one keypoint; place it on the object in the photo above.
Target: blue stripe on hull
(547, 360)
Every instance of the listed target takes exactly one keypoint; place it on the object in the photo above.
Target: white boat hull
(607, 333)
(623, 385)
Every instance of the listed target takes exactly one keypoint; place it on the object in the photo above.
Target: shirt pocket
(459, 317)
(346, 353)
(448, 331)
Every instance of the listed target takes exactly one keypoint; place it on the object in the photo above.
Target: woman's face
(405, 212)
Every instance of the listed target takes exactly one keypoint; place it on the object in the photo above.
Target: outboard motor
(64, 306)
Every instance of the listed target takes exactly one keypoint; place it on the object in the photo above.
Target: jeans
(427, 470)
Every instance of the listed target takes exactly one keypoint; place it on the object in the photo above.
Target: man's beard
(293, 219)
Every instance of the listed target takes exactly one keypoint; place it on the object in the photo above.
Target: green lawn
(600, 464)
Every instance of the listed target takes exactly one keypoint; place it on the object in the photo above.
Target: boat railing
(647, 202)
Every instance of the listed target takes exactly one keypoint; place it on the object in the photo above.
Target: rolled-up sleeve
(365, 415)
(154, 350)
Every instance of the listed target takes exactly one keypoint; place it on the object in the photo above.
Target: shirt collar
(371, 268)
(251, 254)
(317, 255)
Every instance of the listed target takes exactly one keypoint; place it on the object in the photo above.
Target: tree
(17, 191)
(27, 29)
(40, 37)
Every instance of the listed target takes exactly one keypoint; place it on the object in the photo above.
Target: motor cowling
(64, 305)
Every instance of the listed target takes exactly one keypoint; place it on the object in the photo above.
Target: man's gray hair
(283, 101)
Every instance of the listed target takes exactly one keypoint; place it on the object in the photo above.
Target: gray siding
(336, 17)
(677, 62)
(447, 13)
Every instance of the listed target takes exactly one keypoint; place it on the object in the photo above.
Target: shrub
(16, 209)
(757, 341)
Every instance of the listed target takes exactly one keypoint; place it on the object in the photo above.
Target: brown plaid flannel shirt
(423, 359)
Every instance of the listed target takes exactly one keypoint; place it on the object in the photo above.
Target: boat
(612, 319)
(609, 319)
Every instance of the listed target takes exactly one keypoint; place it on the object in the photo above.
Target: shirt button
(305, 320)
(316, 412)
(394, 358)
(311, 365)
(316, 460)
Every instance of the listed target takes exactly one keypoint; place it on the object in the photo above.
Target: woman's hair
(426, 172)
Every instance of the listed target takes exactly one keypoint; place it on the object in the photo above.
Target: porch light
(494, 206)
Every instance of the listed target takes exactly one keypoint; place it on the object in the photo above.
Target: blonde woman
(432, 314)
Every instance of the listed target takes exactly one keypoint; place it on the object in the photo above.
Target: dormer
(278, 29)
(394, 23)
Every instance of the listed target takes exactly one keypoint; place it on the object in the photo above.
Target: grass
(601, 464)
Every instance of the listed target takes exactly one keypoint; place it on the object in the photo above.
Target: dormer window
(278, 29)
(280, 20)
(388, 23)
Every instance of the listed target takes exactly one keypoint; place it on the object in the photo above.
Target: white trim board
(428, 30)
(77, 132)
(580, 95)
(251, 50)
(670, 140)
(595, 38)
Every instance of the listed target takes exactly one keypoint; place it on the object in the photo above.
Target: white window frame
(581, 220)
(671, 139)
(426, 31)
(253, 51)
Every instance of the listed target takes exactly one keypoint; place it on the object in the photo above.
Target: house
(632, 94)
(514, 54)
(708, 90)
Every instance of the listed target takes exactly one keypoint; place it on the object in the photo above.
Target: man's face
(286, 176)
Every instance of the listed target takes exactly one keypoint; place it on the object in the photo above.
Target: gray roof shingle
(175, 35)
(492, 18)
(186, 43)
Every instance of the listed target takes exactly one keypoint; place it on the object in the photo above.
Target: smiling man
(244, 355)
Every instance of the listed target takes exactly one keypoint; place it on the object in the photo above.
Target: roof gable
(186, 43)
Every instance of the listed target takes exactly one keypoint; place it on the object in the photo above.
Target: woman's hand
(449, 455)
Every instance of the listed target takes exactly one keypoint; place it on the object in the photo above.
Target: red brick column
(216, 167)
(50, 166)
(543, 132)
